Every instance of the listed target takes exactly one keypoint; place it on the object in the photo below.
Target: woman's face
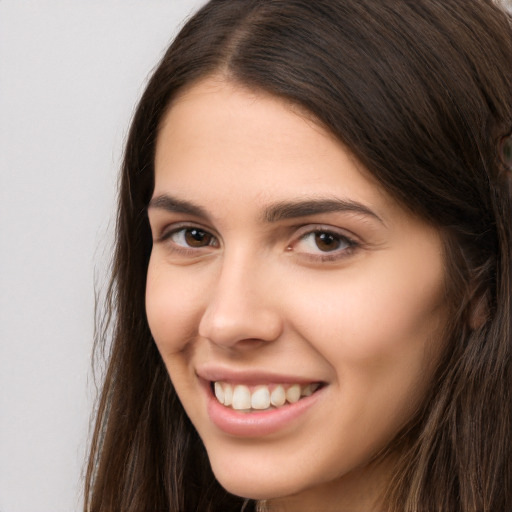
(283, 277)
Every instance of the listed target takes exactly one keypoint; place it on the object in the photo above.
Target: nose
(241, 309)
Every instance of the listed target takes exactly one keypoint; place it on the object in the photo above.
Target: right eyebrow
(173, 205)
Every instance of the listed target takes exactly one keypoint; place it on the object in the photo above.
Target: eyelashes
(314, 243)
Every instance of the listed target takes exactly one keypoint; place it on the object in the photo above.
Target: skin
(363, 317)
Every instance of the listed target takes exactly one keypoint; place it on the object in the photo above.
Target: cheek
(375, 308)
(378, 330)
(172, 307)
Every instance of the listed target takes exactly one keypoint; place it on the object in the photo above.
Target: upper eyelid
(325, 228)
(342, 236)
(169, 228)
(157, 215)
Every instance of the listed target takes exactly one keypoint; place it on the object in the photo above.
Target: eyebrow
(304, 208)
(173, 205)
(274, 213)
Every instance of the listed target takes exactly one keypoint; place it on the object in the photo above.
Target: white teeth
(219, 393)
(228, 394)
(293, 393)
(260, 398)
(278, 396)
(241, 398)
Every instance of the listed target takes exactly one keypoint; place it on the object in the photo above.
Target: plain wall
(70, 75)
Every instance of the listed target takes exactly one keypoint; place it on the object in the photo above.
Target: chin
(254, 489)
(257, 484)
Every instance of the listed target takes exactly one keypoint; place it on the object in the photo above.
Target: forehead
(219, 138)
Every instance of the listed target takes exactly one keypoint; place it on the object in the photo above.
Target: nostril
(241, 321)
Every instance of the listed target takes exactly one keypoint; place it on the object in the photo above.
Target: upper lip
(253, 376)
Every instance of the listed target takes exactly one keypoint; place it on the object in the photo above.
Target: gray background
(70, 75)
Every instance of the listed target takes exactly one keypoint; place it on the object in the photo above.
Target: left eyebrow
(304, 208)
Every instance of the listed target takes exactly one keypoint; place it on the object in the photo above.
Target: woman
(311, 287)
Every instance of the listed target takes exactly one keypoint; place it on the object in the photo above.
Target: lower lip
(256, 424)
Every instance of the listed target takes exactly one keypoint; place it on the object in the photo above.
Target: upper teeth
(240, 397)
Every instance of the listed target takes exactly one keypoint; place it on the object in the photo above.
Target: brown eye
(192, 238)
(324, 245)
(327, 241)
(197, 237)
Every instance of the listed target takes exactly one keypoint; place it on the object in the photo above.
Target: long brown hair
(421, 92)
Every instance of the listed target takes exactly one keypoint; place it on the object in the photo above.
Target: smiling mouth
(242, 398)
